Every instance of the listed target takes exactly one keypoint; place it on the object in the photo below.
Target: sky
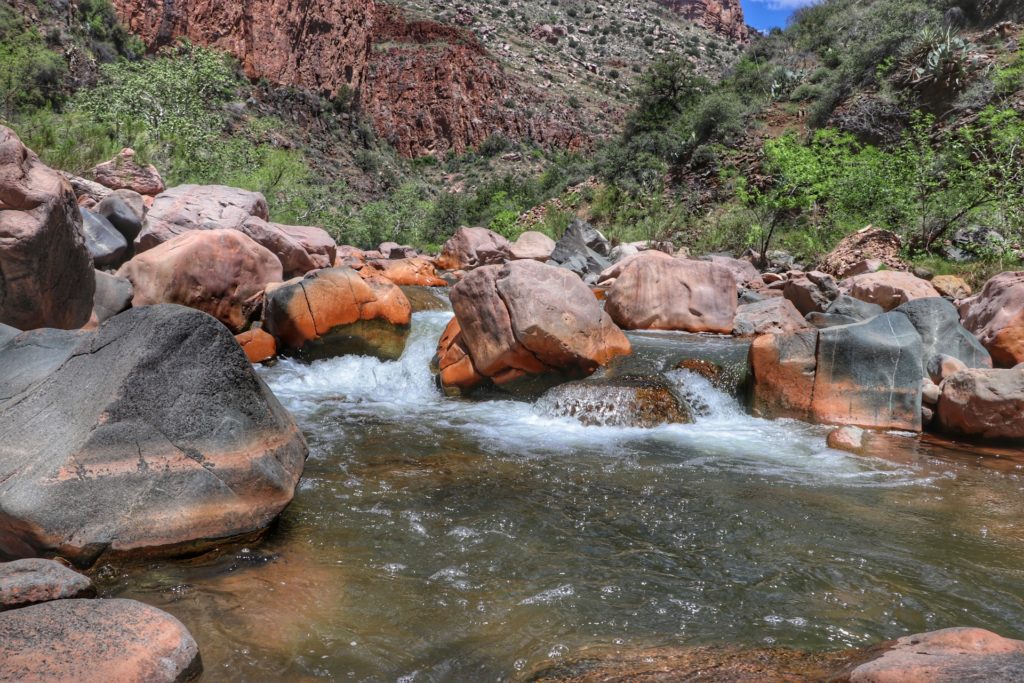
(765, 14)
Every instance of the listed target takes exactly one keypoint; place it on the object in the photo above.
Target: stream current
(440, 539)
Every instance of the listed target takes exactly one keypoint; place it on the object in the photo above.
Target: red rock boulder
(46, 272)
(299, 248)
(199, 207)
(980, 403)
(996, 317)
(35, 580)
(774, 315)
(952, 654)
(334, 312)
(521, 320)
(259, 346)
(123, 172)
(472, 248)
(533, 245)
(887, 288)
(216, 271)
(96, 641)
(406, 272)
(673, 294)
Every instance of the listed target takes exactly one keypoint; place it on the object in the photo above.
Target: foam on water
(723, 436)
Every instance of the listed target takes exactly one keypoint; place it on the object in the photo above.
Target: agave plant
(939, 60)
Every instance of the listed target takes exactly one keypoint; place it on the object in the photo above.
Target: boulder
(199, 207)
(151, 434)
(844, 310)
(610, 274)
(34, 580)
(533, 245)
(96, 641)
(114, 295)
(472, 248)
(106, 245)
(349, 256)
(938, 323)
(810, 292)
(406, 272)
(46, 273)
(126, 211)
(334, 312)
(623, 251)
(299, 248)
(216, 271)
(525, 319)
(942, 367)
(952, 654)
(583, 250)
(996, 317)
(864, 245)
(259, 346)
(643, 402)
(869, 374)
(849, 439)
(951, 287)
(887, 288)
(981, 403)
(783, 368)
(744, 272)
(770, 316)
(123, 172)
(673, 294)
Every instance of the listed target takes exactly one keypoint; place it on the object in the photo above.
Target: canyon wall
(724, 17)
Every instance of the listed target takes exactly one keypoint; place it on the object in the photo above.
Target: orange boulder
(259, 346)
(405, 272)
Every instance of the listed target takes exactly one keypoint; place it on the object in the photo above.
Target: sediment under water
(443, 539)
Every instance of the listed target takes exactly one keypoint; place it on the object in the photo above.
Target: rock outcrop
(523, 320)
(46, 272)
(152, 434)
(724, 17)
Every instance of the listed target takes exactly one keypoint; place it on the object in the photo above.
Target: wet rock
(126, 211)
(533, 245)
(987, 404)
(938, 323)
(643, 402)
(215, 271)
(951, 287)
(335, 312)
(673, 294)
(472, 248)
(849, 439)
(783, 367)
(811, 292)
(952, 654)
(151, 434)
(123, 172)
(96, 641)
(867, 244)
(996, 317)
(46, 273)
(406, 272)
(888, 288)
(114, 295)
(426, 298)
(770, 316)
(583, 250)
(34, 580)
(869, 374)
(106, 245)
(525, 319)
(259, 346)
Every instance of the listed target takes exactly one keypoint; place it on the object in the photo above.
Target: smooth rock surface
(35, 580)
(472, 248)
(123, 172)
(770, 316)
(106, 245)
(996, 317)
(887, 288)
(114, 295)
(987, 404)
(533, 245)
(783, 368)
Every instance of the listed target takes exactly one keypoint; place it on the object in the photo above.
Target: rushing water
(439, 539)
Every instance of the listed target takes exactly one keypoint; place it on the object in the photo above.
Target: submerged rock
(96, 641)
(620, 402)
(34, 580)
(152, 434)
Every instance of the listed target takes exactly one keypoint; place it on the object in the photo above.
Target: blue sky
(764, 14)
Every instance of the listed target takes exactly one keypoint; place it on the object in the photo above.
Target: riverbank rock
(96, 641)
(335, 312)
(533, 245)
(868, 244)
(34, 580)
(887, 288)
(123, 172)
(215, 271)
(524, 319)
(673, 294)
(810, 292)
(980, 403)
(643, 402)
(783, 367)
(126, 211)
(951, 287)
(472, 248)
(952, 654)
(259, 346)
(46, 273)
(849, 439)
(744, 272)
(300, 249)
(996, 317)
(106, 245)
(938, 323)
(583, 250)
(405, 272)
(775, 315)
(114, 295)
(151, 434)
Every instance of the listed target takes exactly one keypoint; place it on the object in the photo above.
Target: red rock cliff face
(428, 88)
(724, 17)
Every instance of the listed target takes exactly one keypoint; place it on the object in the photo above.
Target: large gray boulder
(106, 245)
(938, 323)
(583, 250)
(152, 433)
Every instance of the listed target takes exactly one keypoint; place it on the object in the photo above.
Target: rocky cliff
(724, 17)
